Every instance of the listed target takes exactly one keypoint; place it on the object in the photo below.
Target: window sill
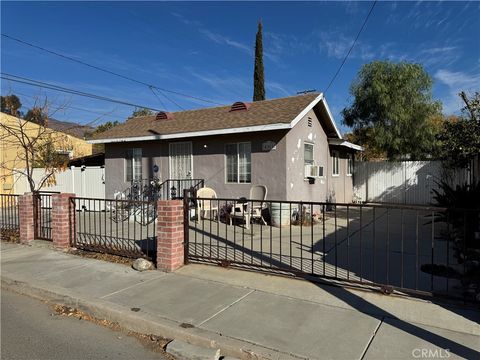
(335, 175)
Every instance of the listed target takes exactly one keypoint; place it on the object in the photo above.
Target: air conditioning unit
(313, 171)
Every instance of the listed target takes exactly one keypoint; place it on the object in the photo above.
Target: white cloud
(456, 81)
(221, 39)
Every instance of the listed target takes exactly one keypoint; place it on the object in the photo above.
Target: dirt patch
(101, 256)
(153, 342)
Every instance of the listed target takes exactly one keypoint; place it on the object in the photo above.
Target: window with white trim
(349, 165)
(238, 165)
(308, 154)
(335, 163)
(311, 170)
(133, 164)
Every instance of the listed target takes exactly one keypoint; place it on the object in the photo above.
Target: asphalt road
(29, 331)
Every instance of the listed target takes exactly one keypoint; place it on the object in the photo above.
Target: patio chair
(204, 205)
(251, 209)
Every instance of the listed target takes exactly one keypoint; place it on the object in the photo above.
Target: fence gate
(43, 215)
(412, 249)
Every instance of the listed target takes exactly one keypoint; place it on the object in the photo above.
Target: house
(10, 153)
(291, 145)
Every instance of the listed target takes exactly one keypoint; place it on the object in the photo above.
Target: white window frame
(238, 163)
(133, 164)
(335, 158)
(170, 157)
(349, 170)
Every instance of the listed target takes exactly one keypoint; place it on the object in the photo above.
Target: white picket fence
(84, 181)
(403, 182)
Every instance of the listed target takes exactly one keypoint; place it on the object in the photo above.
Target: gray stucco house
(291, 145)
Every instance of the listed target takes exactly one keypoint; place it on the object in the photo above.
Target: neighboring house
(285, 144)
(9, 153)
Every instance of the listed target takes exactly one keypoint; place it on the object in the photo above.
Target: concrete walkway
(246, 314)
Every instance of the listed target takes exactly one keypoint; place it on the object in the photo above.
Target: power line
(75, 108)
(107, 71)
(168, 98)
(351, 48)
(45, 85)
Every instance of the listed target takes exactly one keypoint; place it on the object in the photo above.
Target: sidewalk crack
(371, 338)
(225, 308)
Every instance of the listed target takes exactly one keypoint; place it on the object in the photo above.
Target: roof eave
(348, 144)
(246, 129)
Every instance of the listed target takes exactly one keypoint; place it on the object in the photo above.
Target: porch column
(170, 240)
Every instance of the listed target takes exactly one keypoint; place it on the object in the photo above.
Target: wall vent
(240, 106)
(309, 122)
(162, 115)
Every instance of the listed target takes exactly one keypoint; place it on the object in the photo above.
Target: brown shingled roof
(265, 112)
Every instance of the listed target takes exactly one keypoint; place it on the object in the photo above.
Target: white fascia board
(310, 107)
(340, 142)
(306, 110)
(279, 126)
(331, 118)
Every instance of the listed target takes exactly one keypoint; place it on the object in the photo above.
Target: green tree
(10, 104)
(36, 115)
(460, 138)
(106, 126)
(392, 109)
(258, 74)
(141, 112)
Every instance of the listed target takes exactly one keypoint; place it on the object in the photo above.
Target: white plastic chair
(251, 209)
(204, 204)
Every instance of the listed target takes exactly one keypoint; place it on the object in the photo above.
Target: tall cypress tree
(258, 76)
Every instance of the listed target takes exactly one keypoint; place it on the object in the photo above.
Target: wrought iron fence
(9, 218)
(43, 214)
(153, 189)
(413, 249)
(119, 227)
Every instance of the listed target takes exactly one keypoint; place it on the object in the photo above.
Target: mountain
(70, 128)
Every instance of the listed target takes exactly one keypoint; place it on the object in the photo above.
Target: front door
(181, 160)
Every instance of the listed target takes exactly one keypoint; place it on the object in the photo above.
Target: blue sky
(206, 49)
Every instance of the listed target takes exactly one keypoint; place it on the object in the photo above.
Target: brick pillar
(63, 214)
(26, 217)
(170, 235)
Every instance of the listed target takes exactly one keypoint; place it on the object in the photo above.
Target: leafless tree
(36, 147)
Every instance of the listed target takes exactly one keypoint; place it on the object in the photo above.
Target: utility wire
(107, 71)
(166, 97)
(45, 85)
(110, 114)
(351, 48)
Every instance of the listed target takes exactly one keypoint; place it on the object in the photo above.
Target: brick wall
(26, 215)
(170, 250)
(63, 214)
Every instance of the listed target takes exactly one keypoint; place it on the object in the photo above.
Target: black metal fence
(9, 218)
(416, 249)
(43, 214)
(152, 189)
(119, 227)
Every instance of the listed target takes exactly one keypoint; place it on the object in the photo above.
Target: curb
(145, 323)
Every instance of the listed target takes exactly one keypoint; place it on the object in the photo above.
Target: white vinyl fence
(83, 181)
(403, 182)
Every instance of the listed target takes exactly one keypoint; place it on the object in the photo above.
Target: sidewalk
(243, 313)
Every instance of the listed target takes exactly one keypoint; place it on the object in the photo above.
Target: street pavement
(30, 331)
(274, 317)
